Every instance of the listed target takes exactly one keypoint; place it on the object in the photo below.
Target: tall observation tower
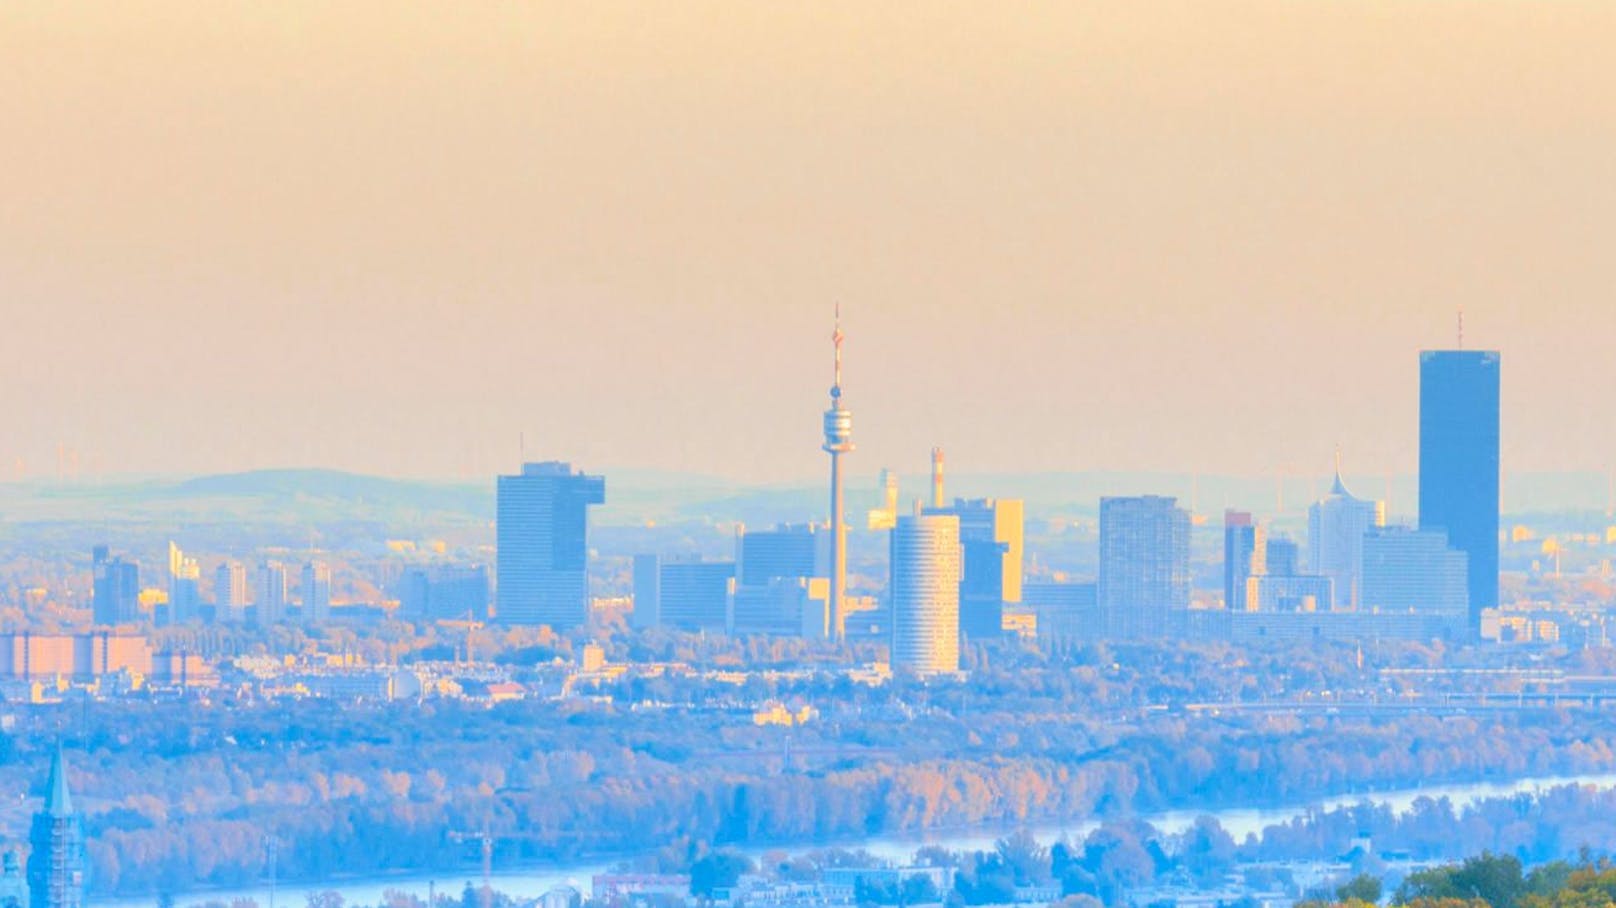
(838, 441)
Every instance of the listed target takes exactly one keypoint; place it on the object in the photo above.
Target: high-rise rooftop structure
(1144, 564)
(1459, 462)
(838, 441)
(1239, 545)
(315, 592)
(230, 592)
(56, 860)
(937, 499)
(991, 531)
(1336, 525)
(115, 588)
(184, 587)
(884, 517)
(542, 538)
(925, 566)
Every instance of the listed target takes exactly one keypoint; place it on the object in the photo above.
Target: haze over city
(811, 455)
(1149, 236)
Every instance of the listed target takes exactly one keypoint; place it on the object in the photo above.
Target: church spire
(58, 803)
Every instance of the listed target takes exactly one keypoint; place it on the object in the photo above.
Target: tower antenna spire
(836, 338)
(1461, 326)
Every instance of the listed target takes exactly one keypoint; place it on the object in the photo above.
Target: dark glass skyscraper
(542, 545)
(1459, 466)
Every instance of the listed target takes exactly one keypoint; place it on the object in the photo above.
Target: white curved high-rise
(925, 593)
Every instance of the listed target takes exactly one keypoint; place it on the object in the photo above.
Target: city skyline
(242, 304)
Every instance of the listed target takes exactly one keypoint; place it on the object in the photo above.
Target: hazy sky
(393, 236)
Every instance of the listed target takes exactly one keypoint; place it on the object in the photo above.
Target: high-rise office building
(1288, 593)
(784, 606)
(1459, 463)
(924, 589)
(688, 594)
(444, 592)
(269, 595)
(1239, 545)
(1336, 525)
(1408, 570)
(647, 578)
(991, 532)
(782, 586)
(1065, 609)
(13, 884)
(56, 859)
(184, 587)
(788, 550)
(1144, 564)
(115, 588)
(230, 593)
(542, 535)
(1281, 556)
(315, 593)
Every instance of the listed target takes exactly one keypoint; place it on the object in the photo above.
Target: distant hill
(473, 500)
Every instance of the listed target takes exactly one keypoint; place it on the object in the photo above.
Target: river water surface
(532, 882)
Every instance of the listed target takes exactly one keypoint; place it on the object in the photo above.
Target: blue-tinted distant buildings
(1239, 545)
(115, 588)
(543, 546)
(1144, 565)
(687, 594)
(1064, 609)
(315, 591)
(444, 592)
(230, 593)
(782, 584)
(1336, 525)
(1407, 570)
(1459, 462)
(269, 597)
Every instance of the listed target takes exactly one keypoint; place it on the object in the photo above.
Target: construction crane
(485, 840)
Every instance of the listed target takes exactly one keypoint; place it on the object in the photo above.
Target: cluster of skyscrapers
(1431, 579)
(118, 598)
(954, 567)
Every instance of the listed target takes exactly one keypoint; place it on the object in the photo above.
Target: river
(532, 882)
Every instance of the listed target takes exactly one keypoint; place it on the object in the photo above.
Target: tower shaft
(838, 441)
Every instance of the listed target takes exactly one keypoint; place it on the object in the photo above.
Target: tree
(718, 870)
(1361, 888)
(1494, 879)
(918, 889)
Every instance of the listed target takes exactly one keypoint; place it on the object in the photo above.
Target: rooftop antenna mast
(1461, 327)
